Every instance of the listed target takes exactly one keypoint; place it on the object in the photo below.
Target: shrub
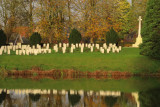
(151, 30)
(75, 37)
(112, 37)
(3, 38)
(35, 38)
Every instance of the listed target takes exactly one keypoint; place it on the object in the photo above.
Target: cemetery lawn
(128, 59)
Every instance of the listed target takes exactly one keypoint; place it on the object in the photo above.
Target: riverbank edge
(71, 74)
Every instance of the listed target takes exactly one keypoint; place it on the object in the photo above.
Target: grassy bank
(127, 60)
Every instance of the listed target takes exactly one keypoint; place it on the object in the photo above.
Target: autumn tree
(138, 8)
(98, 16)
(14, 14)
(51, 15)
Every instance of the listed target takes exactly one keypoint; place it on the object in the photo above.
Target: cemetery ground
(128, 60)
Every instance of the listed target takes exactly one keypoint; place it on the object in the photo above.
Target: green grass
(128, 59)
(129, 85)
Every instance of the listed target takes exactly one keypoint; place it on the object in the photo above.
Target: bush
(151, 30)
(3, 38)
(75, 37)
(35, 38)
(112, 37)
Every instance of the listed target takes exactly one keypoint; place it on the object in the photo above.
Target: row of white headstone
(35, 50)
(111, 47)
(25, 49)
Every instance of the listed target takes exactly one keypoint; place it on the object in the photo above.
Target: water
(131, 92)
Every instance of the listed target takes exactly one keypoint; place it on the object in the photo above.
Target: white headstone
(44, 45)
(19, 46)
(110, 45)
(45, 50)
(11, 44)
(18, 43)
(102, 50)
(71, 49)
(108, 50)
(113, 50)
(63, 50)
(0, 52)
(14, 48)
(91, 49)
(8, 52)
(64, 45)
(86, 45)
(97, 46)
(5, 50)
(16, 52)
(117, 50)
(89, 45)
(20, 52)
(56, 49)
(24, 52)
(76, 45)
(120, 48)
(60, 45)
(27, 52)
(114, 45)
(49, 51)
(104, 45)
(81, 49)
(47, 46)
(82, 45)
(67, 44)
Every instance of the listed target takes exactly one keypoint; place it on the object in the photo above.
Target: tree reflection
(110, 101)
(74, 99)
(35, 97)
(2, 97)
(58, 99)
(150, 98)
(50, 102)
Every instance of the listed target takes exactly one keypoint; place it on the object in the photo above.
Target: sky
(129, 1)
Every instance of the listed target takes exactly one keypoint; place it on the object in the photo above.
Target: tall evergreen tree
(3, 38)
(112, 37)
(151, 30)
(35, 38)
(75, 36)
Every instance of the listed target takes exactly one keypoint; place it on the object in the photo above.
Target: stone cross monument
(139, 38)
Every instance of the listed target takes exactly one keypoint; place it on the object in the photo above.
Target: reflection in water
(110, 100)
(150, 98)
(65, 98)
(74, 99)
(2, 96)
(133, 92)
